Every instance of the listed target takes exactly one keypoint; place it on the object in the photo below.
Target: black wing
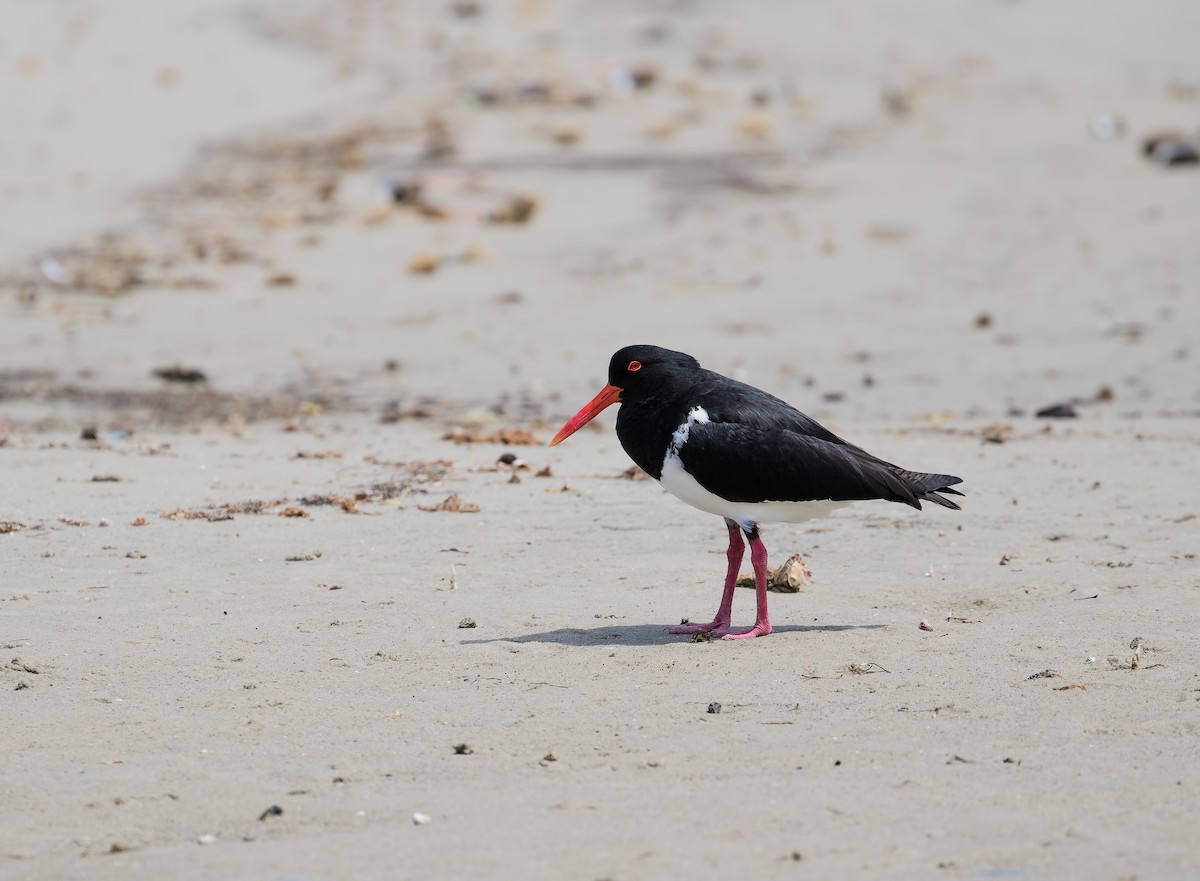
(757, 448)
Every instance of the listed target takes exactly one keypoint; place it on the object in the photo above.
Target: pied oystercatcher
(730, 449)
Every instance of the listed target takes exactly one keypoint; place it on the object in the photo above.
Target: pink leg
(762, 624)
(720, 624)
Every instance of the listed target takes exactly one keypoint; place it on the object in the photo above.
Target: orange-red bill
(608, 396)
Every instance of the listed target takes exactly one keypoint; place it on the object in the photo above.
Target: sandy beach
(280, 284)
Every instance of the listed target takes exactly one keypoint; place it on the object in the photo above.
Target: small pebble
(466, 623)
(179, 373)
(1176, 153)
(1064, 410)
(1105, 127)
(714, 708)
(206, 839)
(420, 819)
(403, 189)
(925, 625)
(1171, 148)
(55, 272)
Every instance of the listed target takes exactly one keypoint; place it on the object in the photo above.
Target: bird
(733, 450)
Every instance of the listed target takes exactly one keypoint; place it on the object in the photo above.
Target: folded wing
(750, 462)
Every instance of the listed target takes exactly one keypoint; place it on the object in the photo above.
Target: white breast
(683, 486)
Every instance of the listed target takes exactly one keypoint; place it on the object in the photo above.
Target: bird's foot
(761, 628)
(722, 630)
(716, 628)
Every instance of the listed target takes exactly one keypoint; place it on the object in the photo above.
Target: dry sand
(896, 218)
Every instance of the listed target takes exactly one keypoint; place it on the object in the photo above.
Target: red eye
(634, 366)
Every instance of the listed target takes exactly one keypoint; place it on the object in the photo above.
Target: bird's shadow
(644, 634)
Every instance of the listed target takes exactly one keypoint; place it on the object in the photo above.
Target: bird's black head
(640, 370)
(634, 373)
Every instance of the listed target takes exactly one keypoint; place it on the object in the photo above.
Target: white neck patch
(698, 416)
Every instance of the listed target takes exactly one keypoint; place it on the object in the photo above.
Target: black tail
(927, 486)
